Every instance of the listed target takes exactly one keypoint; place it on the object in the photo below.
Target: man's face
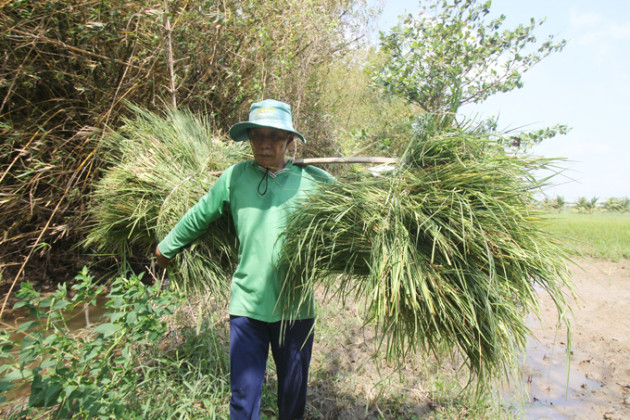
(269, 146)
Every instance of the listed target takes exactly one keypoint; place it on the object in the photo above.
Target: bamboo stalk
(171, 70)
(351, 159)
(68, 47)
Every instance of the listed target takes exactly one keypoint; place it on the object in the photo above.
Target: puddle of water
(546, 391)
(75, 320)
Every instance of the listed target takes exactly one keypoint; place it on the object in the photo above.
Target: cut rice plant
(446, 252)
(158, 167)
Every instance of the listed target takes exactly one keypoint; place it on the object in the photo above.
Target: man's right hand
(161, 259)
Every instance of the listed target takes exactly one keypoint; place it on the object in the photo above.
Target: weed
(92, 372)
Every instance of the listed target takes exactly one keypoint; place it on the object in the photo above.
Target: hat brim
(238, 132)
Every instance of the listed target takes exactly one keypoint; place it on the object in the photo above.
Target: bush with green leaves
(89, 373)
(452, 53)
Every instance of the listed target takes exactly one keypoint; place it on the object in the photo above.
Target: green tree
(452, 54)
(558, 203)
(365, 119)
(620, 205)
(585, 205)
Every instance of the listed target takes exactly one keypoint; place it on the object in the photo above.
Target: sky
(586, 87)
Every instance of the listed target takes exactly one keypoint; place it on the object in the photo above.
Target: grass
(191, 380)
(351, 379)
(599, 235)
(158, 167)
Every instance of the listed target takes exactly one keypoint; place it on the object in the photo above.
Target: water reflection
(76, 320)
(550, 388)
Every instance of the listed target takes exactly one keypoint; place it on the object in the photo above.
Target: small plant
(92, 372)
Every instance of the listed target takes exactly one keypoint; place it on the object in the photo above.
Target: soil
(598, 384)
(594, 385)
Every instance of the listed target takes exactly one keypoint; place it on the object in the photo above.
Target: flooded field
(598, 384)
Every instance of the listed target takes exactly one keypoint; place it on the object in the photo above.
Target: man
(259, 194)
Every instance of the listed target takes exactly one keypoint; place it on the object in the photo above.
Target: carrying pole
(352, 159)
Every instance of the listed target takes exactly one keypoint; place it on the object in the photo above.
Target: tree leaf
(107, 329)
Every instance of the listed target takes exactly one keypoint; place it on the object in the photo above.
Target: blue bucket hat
(267, 114)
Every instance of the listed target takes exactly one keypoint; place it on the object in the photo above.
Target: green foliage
(90, 373)
(451, 54)
(599, 235)
(524, 139)
(445, 252)
(191, 381)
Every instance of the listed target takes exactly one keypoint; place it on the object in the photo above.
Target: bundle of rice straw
(446, 252)
(158, 168)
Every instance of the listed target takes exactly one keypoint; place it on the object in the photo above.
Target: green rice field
(599, 235)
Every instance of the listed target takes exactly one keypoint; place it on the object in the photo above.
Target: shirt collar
(276, 173)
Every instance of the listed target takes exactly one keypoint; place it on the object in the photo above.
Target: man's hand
(161, 259)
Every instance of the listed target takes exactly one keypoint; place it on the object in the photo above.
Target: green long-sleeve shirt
(259, 206)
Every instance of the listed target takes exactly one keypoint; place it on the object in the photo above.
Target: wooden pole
(352, 159)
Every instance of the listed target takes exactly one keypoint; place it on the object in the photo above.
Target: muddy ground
(595, 385)
(599, 380)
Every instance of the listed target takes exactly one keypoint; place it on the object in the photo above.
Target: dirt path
(599, 383)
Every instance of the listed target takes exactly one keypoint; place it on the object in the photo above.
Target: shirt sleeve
(198, 218)
(319, 175)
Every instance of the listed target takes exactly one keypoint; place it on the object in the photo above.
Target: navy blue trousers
(291, 347)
